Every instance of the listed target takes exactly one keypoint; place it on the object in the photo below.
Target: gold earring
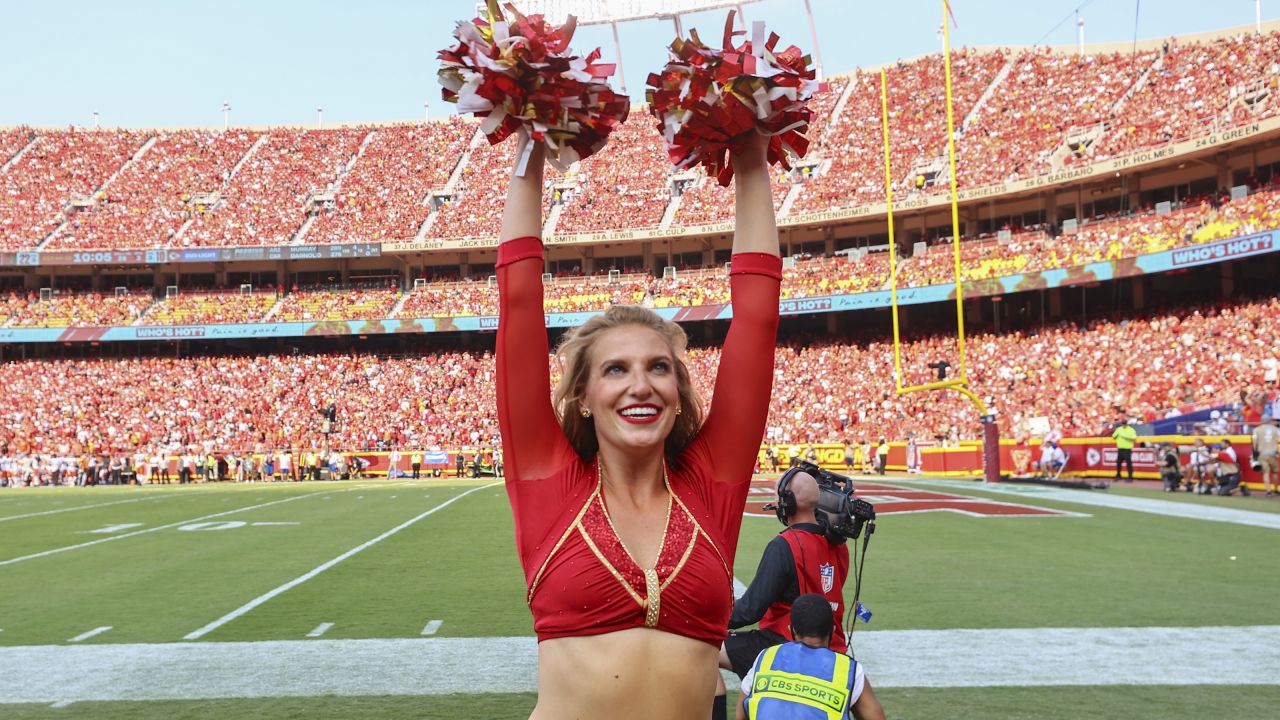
(585, 412)
(679, 409)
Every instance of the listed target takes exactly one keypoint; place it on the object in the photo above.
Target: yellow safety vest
(828, 696)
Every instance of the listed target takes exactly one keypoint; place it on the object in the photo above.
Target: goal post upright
(991, 431)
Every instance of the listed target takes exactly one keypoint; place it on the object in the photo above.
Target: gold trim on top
(577, 522)
(653, 588)
(698, 526)
(665, 525)
(591, 545)
(653, 594)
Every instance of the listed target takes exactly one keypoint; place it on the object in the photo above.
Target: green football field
(399, 599)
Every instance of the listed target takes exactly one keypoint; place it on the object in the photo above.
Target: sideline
(197, 634)
(433, 666)
(1153, 506)
(65, 548)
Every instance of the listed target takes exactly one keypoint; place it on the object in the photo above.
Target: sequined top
(580, 578)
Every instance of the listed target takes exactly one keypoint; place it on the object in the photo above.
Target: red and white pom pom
(519, 75)
(708, 101)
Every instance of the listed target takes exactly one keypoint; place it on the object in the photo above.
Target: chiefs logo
(1021, 460)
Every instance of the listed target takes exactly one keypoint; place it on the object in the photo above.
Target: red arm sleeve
(740, 404)
(532, 442)
(729, 441)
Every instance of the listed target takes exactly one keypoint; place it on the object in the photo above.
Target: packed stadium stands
(211, 306)
(58, 169)
(177, 177)
(266, 201)
(1019, 113)
(627, 186)
(1194, 87)
(322, 303)
(70, 308)
(384, 197)
(1081, 377)
(476, 207)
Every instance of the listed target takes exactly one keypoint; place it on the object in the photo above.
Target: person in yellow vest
(1125, 436)
(803, 679)
(882, 456)
(415, 464)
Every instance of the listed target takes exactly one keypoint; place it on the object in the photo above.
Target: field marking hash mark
(432, 627)
(321, 629)
(210, 627)
(91, 633)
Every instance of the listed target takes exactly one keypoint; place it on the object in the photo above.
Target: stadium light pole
(1257, 16)
(426, 111)
(813, 30)
(1079, 34)
(226, 115)
(95, 119)
(320, 117)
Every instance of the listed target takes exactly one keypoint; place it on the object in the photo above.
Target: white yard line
(432, 627)
(433, 666)
(1102, 498)
(91, 633)
(197, 634)
(54, 551)
(83, 507)
(321, 629)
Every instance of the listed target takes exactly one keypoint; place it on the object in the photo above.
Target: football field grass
(405, 599)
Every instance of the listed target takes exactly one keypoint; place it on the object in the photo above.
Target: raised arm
(740, 405)
(531, 437)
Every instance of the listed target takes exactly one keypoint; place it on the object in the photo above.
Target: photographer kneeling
(809, 556)
(1229, 470)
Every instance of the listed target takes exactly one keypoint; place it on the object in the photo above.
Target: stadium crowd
(384, 197)
(57, 169)
(1049, 111)
(266, 202)
(70, 308)
(1080, 377)
(1194, 87)
(155, 194)
(323, 303)
(209, 307)
(626, 187)
(1199, 220)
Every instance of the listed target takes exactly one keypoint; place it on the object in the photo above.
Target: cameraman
(799, 560)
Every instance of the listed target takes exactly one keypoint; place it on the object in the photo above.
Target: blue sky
(149, 63)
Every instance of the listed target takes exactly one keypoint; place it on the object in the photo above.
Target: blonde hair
(573, 356)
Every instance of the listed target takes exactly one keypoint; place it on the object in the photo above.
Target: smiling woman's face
(632, 390)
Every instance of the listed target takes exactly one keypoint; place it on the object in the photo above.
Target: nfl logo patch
(828, 573)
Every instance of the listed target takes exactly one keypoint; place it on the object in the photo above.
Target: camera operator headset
(809, 556)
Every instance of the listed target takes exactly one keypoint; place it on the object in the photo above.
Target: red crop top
(580, 578)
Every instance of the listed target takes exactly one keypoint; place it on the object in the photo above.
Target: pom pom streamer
(708, 101)
(518, 74)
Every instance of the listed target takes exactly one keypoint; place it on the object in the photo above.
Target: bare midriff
(636, 673)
